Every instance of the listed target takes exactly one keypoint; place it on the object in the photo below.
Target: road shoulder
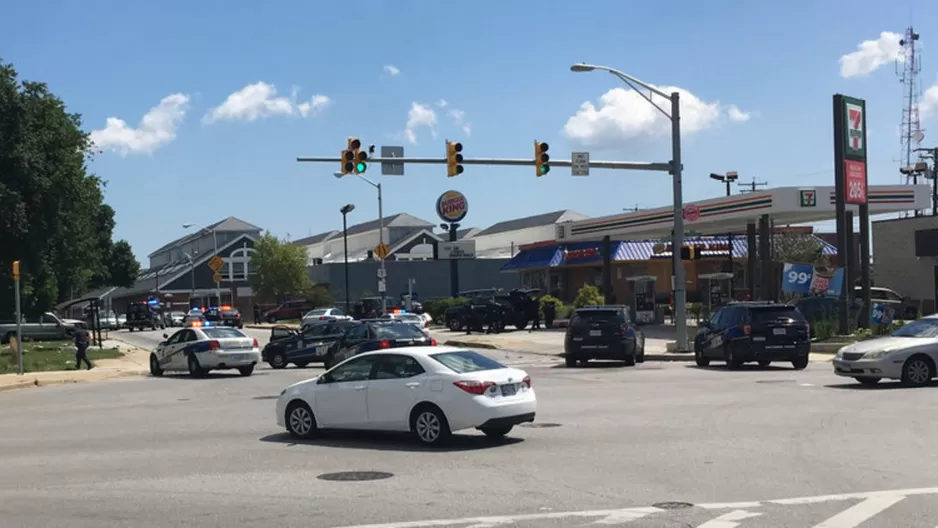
(133, 362)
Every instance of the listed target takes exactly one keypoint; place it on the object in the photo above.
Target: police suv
(198, 350)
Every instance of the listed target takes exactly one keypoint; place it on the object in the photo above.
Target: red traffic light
(543, 147)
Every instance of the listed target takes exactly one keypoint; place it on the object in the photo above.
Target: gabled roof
(409, 237)
(468, 232)
(316, 239)
(228, 224)
(555, 217)
(398, 220)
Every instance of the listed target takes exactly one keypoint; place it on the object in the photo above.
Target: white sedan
(429, 391)
(909, 354)
(201, 349)
(325, 314)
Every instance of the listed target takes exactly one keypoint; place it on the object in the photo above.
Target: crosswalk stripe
(729, 520)
(856, 514)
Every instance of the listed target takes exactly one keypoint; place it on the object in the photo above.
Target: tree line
(53, 218)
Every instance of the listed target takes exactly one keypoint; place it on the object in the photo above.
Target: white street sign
(580, 165)
(461, 249)
(382, 286)
(382, 273)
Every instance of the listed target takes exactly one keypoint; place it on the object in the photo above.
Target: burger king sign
(452, 206)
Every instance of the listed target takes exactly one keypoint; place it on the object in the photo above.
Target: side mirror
(704, 324)
(323, 379)
(162, 343)
(165, 336)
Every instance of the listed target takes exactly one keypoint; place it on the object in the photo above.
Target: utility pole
(728, 179)
(19, 316)
(751, 186)
(932, 154)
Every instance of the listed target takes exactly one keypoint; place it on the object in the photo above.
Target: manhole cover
(775, 381)
(354, 476)
(672, 505)
(265, 397)
(540, 424)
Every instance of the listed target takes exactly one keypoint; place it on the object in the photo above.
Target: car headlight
(877, 354)
(840, 353)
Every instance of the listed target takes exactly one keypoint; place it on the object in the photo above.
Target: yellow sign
(216, 264)
(382, 250)
(216, 277)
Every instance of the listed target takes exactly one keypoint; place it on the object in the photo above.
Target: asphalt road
(759, 448)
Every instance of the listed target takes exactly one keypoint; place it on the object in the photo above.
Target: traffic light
(360, 158)
(453, 158)
(690, 252)
(350, 156)
(541, 159)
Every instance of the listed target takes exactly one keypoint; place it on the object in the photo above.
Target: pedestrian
(473, 319)
(82, 342)
(494, 315)
(257, 314)
(550, 312)
(534, 313)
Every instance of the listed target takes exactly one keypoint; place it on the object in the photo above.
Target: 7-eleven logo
(854, 128)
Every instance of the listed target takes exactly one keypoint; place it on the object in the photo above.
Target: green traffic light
(361, 167)
(545, 169)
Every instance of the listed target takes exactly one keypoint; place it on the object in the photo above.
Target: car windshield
(233, 311)
(919, 328)
(465, 361)
(317, 311)
(221, 332)
(397, 331)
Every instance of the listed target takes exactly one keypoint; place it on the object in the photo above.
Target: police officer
(533, 309)
(495, 316)
(550, 312)
(473, 317)
(82, 342)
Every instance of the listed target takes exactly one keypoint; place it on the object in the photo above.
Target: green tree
(52, 213)
(280, 268)
(122, 266)
(588, 295)
(798, 248)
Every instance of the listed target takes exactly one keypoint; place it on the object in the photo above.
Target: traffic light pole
(622, 165)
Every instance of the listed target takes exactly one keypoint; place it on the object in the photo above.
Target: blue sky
(762, 74)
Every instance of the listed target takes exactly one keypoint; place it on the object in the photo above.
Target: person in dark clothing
(534, 309)
(473, 317)
(494, 315)
(550, 312)
(257, 314)
(82, 342)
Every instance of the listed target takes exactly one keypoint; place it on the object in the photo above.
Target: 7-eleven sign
(854, 133)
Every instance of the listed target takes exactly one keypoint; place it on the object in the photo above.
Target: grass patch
(44, 357)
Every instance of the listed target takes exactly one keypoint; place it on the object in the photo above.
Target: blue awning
(539, 257)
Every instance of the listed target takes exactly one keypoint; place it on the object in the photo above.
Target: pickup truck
(47, 327)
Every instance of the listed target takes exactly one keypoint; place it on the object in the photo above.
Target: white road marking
(873, 503)
(856, 514)
(729, 520)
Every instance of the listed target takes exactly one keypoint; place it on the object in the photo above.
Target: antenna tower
(908, 66)
(750, 186)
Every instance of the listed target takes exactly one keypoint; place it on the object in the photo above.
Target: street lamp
(728, 180)
(345, 210)
(187, 225)
(383, 274)
(674, 116)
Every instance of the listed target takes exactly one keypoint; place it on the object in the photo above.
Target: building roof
(228, 224)
(544, 219)
(398, 220)
(467, 232)
(316, 239)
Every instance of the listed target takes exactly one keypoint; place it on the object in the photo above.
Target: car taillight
(807, 327)
(745, 328)
(426, 324)
(238, 316)
(527, 381)
(474, 387)
(322, 317)
(384, 344)
(432, 341)
(214, 345)
(255, 343)
(624, 328)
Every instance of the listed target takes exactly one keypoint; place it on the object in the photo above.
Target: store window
(238, 265)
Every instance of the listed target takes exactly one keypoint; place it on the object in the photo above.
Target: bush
(558, 304)
(437, 307)
(588, 295)
(825, 329)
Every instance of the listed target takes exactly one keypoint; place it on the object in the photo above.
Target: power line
(751, 186)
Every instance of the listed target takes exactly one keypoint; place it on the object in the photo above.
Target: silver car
(909, 354)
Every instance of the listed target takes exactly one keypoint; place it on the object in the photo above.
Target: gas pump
(642, 299)
(718, 290)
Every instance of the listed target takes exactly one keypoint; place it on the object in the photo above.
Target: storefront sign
(461, 249)
(808, 198)
(806, 279)
(855, 182)
(452, 206)
(585, 253)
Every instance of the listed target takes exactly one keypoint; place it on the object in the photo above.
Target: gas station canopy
(784, 205)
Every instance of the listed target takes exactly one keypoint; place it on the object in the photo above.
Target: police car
(199, 349)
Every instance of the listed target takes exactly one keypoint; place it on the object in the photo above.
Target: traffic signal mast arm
(508, 162)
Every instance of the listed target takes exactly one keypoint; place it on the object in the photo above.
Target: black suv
(762, 332)
(515, 307)
(603, 332)
(141, 316)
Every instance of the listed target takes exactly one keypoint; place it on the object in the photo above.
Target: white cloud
(156, 128)
(870, 55)
(392, 70)
(260, 99)
(737, 115)
(458, 115)
(928, 106)
(442, 103)
(418, 117)
(625, 115)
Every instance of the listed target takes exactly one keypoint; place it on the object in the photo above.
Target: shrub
(437, 307)
(588, 295)
(825, 329)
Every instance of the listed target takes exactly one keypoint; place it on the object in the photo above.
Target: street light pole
(676, 170)
(215, 242)
(345, 210)
(384, 274)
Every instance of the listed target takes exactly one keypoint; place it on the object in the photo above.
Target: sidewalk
(134, 362)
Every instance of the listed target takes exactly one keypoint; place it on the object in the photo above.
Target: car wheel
(155, 369)
(700, 359)
(764, 363)
(498, 431)
(800, 363)
(640, 354)
(278, 361)
(301, 364)
(917, 371)
(569, 362)
(629, 358)
(729, 356)
(195, 370)
(246, 371)
(454, 325)
(130, 329)
(868, 381)
(429, 425)
(300, 420)
(271, 319)
(522, 325)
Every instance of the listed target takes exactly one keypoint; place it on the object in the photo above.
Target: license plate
(236, 357)
(780, 331)
(509, 390)
(596, 333)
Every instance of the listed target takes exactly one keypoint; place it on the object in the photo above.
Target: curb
(471, 344)
(26, 382)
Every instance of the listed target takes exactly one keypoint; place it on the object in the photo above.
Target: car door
(341, 397)
(186, 338)
(310, 342)
(164, 353)
(349, 344)
(393, 389)
(712, 342)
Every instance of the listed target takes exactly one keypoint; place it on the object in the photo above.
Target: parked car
(367, 336)
(309, 345)
(176, 318)
(325, 314)
(289, 310)
(141, 315)
(47, 327)
(514, 305)
(761, 332)
(909, 354)
(903, 307)
(603, 332)
(428, 391)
